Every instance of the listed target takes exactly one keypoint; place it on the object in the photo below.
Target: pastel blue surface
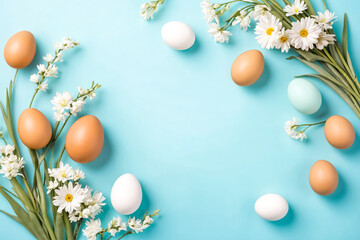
(203, 148)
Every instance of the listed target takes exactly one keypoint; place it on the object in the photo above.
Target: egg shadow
(340, 191)
(192, 50)
(262, 81)
(323, 111)
(105, 154)
(287, 220)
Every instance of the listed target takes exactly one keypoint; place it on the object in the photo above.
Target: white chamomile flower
(283, 41)
(267, 30)
(68, 198)
(52, 185)
(290, 129)
(325, 20)
(324, 40)
(304, 33)
(93, 227)
(209, 12)
(135, 225)
(296, 8)
(243, 20)
(43, 86)
(35, 78)
(218, 34)
(63, 173)
(260, 11)
(62, 101)
(49, 57)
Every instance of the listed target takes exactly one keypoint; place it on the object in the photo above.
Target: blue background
(203, 148)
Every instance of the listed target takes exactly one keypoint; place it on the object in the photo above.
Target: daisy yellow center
(269, 31)
(68, 197)
(296, 10)
(304, 33)
(283, 39)
(63, 103)
(63, 174)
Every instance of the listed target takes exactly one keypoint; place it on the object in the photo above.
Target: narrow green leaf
(311, 57)
(317, 68)
(336, 56)
(344, 35)
(310, 7)
(68, 228)
(59, 227)
(19, 221)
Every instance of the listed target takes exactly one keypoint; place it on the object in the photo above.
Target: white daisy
(93, 227)
(243, 19)
(69, 198)
(218, 34)
(260, 11)
(52, 186)
(63, 173)
(296, 8)
(325, 39)
(283, 41)
(77, 175)
(267, 30)
(325, 20)
(304, 33)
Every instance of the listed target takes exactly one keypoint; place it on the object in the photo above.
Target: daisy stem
(78, 225)
(308, 125)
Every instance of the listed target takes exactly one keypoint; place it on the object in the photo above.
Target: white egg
(271, 207)
(178, 35)
(126, 194)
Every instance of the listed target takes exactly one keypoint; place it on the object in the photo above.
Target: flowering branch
(149, 9)
(292, 127)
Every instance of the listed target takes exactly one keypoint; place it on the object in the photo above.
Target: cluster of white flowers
(70, 196)
(116, 225)
(148, 9)
(10, 164)
(305, 33)
(50, 70)
(65, 105)
(291, 127)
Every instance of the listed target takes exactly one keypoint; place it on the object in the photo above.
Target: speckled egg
(20, 50)
(85, 139)
(34, 129)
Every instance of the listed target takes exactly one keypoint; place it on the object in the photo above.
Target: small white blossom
(52, 186)
(43, 86)
(296, 8)
(10, 164)
(325, 20)
(76, 106)
(92, 95)
(260, 11)
(135, 225)
(147, 10)
(243, 20)
(209, 12)
(41, 68)
(325, 39)
(62, 101)
(218, 34)
(49, 57)
(283, 41)
(51, 71)
(35, 78)
(116, 225)
(62, 174)
(93, 227)
(77, 175)
(290, 129)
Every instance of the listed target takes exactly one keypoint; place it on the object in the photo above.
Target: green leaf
(19, 221)
(68, 228)
(336, 56)
(317, 68)
(310, 7)
(59, 227)
(311, 57)
(344, 35)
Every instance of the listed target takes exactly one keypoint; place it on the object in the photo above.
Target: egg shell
(34, 129)
(247, 68)
(85, 139)
(272, 207)
(126, 194)
(20, 50)
(178, 35)
(304, 96)
(339, 132)
(323, 177)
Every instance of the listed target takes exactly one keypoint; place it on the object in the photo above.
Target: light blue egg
(304, 96)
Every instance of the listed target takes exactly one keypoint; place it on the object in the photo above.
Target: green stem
(125, 234)
(78, 225)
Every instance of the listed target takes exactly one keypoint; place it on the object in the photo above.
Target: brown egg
(323, 177)
(20, 50)
(247, 68)
(339, 132)
(85, 139)
(34, 129)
